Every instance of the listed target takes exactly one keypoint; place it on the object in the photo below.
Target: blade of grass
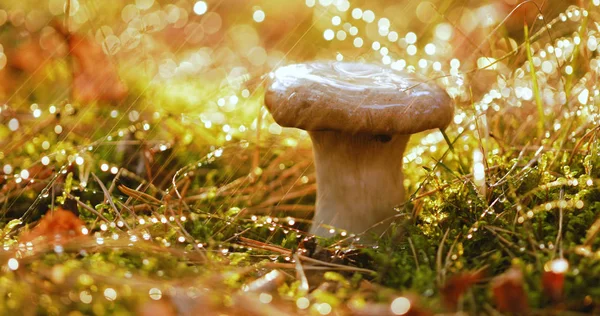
(575, 60)
(448, 141)
(536, 90)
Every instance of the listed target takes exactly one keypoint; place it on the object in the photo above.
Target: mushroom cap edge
(356, 98)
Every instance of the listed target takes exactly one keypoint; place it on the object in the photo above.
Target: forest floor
(142, 174)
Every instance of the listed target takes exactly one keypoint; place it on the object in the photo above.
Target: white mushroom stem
(359, 180)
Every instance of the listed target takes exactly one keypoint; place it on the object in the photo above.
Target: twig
(438, 257)
(578, 144)
(114, 181)
(287, 252)
(281, 208)
(335, 265)
(138, 195)
(412, 248)
(109, 199)
(87, 207)
(503, 240)
(560, 225)
(448, 255)
(300, 193)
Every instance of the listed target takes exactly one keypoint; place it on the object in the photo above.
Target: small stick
(87, 207)
(109, 199)
(412, 248)
(335, 265)
(288, 196)
(281, 208)
(438, 259)
(288, 252)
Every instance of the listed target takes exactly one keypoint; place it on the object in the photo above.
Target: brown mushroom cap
(356, 98)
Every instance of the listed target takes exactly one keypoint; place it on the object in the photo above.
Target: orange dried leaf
(408, 305)
(553, 284)
(509, 292)
(457, 285)
(553, 278)
(60, 224)
(28, 57)
(157, 308)
(39, 50)
(7, 85)
(95, 77)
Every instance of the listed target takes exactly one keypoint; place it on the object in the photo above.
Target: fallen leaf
(408, 305)
(7, 85)
(509, 293)
(161, 307)
(553, 284)
(36, 52)
(58, 225)
(553, 278)
(95, 77)
(457, 285)
(28, 57)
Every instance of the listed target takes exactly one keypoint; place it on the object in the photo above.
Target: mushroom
(359, 117)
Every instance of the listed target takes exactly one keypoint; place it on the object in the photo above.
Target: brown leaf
(28, 57)
(457, 285)
(7, 85)
(95, 77)
(553, 284)
(408, 305)
(161, 307)
(37, 51)
(509, 293)
(553, 278)
(58, 225)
